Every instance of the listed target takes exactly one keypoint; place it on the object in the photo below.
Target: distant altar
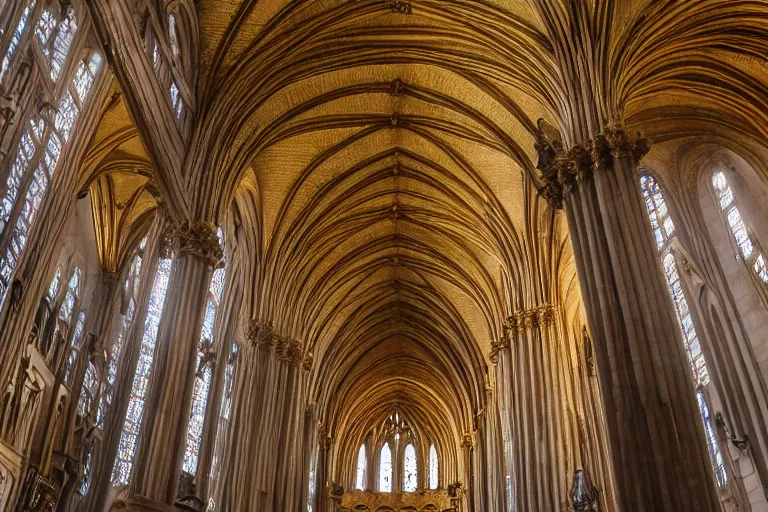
(368, 501)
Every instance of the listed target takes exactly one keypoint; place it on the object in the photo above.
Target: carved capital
(528, 319)
(466, 440)
(263, 335)
(198, 239)
(335, 491)
(496, 347)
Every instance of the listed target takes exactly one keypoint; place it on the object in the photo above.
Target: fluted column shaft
(258, 471)
(166, 416)
(658, 449)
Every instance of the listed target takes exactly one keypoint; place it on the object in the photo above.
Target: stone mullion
(166, 412)
(128, 359)
(659, 457)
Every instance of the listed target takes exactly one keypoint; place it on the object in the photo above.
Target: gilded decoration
(198, 239)
(286, 349)
(562, 170)
(411, 501)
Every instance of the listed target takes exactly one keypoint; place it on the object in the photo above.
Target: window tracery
(131, 296)
(410, 470)
(385, 469)
(361, 469)
(746, 247)
(659, 216)
(129, 437)
(16, 38)
(433, 468)
(15, 223)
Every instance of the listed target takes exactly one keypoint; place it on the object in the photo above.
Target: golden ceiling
(381, 154)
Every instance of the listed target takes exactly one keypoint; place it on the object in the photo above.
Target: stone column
(658, 450)
(257, 471)
(166, 415)
(529, 374)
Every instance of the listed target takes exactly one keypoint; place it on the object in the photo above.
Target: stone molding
(198, 239)
(562, 170)
(287, 350)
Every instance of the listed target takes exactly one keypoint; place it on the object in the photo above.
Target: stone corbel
(335, 492)
(584, 496)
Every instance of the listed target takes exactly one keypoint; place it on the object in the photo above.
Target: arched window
(714, 447)
(410, 471)
(29, 183)
(224, 415)
(55, 38)
(16, 38)
(385, 469)
(659, 217)
(203, 375)
(77, 345)
(433, 473)
(362, 465)
(312, 482)
(130, 297)
(749, 251)
(129, 437)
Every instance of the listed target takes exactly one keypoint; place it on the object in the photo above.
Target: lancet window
(55, 38)
(130, 297)
(385, 469)
(410, 470)
(129, 436)
(226, 411)
(664, 232)
(746, 246)
(433, 468)
(203, 374)
(27, 182)
(16, 37)
(362, 467)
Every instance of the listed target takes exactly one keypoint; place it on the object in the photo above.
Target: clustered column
(166, 417)
(656, 438)
(262, 469)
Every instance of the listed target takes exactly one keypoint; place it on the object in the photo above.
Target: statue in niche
(584, 496)
(30, 394)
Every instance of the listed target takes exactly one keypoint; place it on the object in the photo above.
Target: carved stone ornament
(496, 347)
(584, 496)
(263, 335)
(401, 7)
(561, 170)
(588, 352)
(395, 501)
(335, 491)
(527, 319)
(198, 239)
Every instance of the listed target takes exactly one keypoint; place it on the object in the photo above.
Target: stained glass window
(55, 38)
(176, 102)
(385, 469)
(312, 482)
(203, 375)
(658, 214)
(226, 411)
(85, 482)
(77, 340)
(129, 437)
(88, 391)
(53, 289)
(747, 248)
(714, 447)
(18, 34)
(361, 469)
(433, 473)
(131, 291)
(36, 137)
(410, 471)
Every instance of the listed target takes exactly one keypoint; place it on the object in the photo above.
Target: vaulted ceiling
(388, 151)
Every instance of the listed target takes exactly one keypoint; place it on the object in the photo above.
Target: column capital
(196, 238)
(528, 319)
(561, 170)
(288, 350)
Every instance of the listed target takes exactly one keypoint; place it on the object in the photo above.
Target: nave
(383, 255)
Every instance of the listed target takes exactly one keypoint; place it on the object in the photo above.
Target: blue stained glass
(124, 464)
(62, 44)
(53, 289)
(65, 119)
(712, 443)
(658, 212)
(88, 391)
(16, 38)
(202, 385)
